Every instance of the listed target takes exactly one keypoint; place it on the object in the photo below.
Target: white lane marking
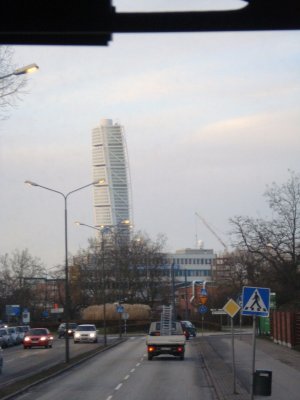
(138, 364)
(119, 386)
(133, 369)
(126, 377)
(109, 398)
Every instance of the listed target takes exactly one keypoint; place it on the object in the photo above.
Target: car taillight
(180, 349)
(151, 349)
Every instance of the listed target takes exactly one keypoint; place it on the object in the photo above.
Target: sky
(210, 120)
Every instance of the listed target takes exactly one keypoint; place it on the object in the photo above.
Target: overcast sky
(210, 120)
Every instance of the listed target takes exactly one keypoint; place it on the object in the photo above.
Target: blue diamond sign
(256, 301)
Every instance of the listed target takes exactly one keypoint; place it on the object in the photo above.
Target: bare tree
(275, 243)
(11, 87)
(19, 274)
(127, 270)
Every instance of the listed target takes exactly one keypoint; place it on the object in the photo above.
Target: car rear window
(85, 328)
(37, 332)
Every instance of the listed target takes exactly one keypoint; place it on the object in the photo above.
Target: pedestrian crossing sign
(256, 301)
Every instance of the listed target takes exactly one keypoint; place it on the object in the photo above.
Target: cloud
(254, 128)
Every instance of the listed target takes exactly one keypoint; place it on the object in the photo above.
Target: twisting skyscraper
(110, 162)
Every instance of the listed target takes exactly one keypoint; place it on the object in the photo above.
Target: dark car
(188, 326)
(185, 331)
(21, 330)
(61, 331)
(1, 360)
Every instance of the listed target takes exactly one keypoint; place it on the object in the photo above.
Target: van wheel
(150, 357)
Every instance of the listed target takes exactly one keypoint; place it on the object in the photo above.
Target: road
(124, 372)
(19, 362)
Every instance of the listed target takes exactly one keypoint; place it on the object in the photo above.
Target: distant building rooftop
(194, 251)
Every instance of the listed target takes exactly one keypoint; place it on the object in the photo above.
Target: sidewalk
(284, 363)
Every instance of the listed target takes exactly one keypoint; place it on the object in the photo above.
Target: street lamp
(27, 69)
(67, 299)
(103, 230)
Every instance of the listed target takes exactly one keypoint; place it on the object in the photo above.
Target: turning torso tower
(111, 200)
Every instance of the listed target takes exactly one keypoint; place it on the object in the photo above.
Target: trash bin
(262, 382)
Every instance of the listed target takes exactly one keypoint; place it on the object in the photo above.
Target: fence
(285, 328)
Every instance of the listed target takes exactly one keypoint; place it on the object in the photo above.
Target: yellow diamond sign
(231, 308)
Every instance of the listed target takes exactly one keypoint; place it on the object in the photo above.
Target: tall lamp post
(67, 295)
(27, 69)
(102, 231)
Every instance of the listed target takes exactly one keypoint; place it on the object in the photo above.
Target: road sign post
(125, 317)
(232, 308)
(120, 310)
(202, 310)
(255, 302)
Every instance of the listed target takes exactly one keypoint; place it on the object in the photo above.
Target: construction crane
(212, 231)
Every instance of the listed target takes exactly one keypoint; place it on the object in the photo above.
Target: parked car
(22, 331)
(1, 360)
(61, 331)
(5, 338)
(38, 337)
(14, 335)
(187, 325)
(185, 331)
(86, 333)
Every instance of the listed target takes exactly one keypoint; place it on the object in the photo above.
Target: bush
(137, 312)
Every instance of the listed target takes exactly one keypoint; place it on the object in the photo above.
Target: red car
(38, 337)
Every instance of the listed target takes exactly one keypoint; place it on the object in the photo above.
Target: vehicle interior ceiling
(94, 23)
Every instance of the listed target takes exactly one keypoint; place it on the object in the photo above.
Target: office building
(191, 265)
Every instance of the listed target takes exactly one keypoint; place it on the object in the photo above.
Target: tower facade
(110, 162)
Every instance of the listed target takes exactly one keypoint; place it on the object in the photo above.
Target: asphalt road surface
(19, 362)
(124, 372)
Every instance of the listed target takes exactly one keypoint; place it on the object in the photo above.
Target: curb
(209, 373)
(219, 374)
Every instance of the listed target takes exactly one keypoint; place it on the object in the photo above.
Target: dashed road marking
(132, 370)
(126, 377)
(119, 386)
